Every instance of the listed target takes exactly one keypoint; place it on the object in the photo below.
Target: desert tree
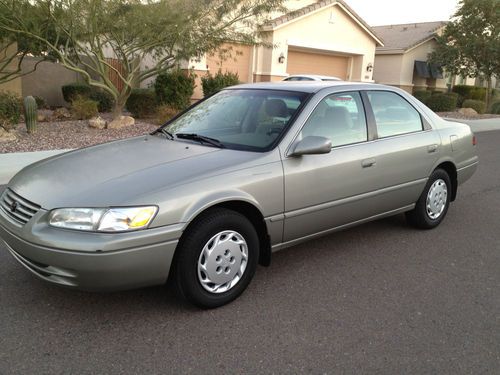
(470, 42)
(84, 34)
(14, 47)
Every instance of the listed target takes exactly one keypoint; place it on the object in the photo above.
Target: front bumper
(98, 262)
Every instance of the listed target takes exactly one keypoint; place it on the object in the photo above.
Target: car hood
(120, 172)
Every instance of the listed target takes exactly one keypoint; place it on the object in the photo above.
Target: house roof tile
(408, 35)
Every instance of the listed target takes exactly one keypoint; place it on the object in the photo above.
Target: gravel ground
(460, 116)
(70, 134)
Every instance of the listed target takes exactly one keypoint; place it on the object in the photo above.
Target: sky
(386, 12)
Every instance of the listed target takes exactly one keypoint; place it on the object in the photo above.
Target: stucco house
(402, 61)
(315, 37)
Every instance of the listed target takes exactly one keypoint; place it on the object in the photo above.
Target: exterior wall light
(281, 59)
(369, 67)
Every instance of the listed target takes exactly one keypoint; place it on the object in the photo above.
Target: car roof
(314, 76)
(308, 86)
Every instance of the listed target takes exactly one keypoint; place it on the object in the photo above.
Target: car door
(329, 190)
(404, 151)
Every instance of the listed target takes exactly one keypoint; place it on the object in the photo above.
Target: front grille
(17, 208)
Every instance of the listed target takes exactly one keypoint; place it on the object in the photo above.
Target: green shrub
(104, 99)
(495, 108)
(464, 90)
(10, 110)
(478, 105)
(454, 95)
(460, 100)
(164, 113)
(142, 103)
(442, 102)
(479, 93)
(74, 90)
(422, 95)
(212, 84)
(40, 102)
(83, 108)
(175, 88)
(469, 92)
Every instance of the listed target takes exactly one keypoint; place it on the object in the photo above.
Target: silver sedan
(251, 170)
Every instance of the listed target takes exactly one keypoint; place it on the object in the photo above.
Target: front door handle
(367, 163)
(432, 148)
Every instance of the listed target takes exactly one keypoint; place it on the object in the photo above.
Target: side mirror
(312, 145)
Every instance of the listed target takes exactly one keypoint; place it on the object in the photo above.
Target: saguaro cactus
(30, 114)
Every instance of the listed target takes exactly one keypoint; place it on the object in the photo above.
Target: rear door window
(393, 114)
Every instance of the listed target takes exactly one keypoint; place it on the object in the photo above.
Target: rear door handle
(432, 148)
(367, 163)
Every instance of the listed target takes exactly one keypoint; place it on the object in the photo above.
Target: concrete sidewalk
(12, 163)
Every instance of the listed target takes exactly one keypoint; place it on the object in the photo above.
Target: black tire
(191, 245)
(419, 217)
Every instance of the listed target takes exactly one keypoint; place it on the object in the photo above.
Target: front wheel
(432, 206)
(217, 258)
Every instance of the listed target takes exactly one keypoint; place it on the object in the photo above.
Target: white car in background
(311, 77)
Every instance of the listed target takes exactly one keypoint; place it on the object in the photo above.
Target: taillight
(474, 142)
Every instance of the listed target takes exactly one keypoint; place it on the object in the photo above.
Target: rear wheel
(432, 206)
(217, 258)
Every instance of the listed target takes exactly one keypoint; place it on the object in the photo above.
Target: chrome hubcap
(436, 199)
(222, 261)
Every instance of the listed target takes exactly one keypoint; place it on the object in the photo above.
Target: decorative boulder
(468, 112)
(121, 122)
(45, 115)
(61, 114)
(97, 123)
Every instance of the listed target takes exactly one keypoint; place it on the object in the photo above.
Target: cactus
(30, 114)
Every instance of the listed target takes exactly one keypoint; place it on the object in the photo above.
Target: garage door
(313, 63)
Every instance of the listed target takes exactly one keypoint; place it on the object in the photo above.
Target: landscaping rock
(61, 114)
(467, 112)
(6, 136)
(97, 123)
(121, 122)
(44, 115)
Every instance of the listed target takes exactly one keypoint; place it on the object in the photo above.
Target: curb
(12, 163)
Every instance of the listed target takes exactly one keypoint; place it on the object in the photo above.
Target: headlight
(103, 219)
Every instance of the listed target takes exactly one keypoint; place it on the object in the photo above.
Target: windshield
(251, 120)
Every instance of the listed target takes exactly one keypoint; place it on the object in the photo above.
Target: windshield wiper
(200, 138)
(166, 133)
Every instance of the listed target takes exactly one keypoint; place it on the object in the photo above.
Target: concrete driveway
(380, 298)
